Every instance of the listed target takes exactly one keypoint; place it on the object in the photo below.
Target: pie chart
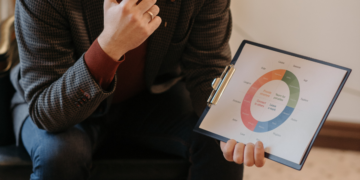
(294, 91)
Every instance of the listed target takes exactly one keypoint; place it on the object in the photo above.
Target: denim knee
(65, 155)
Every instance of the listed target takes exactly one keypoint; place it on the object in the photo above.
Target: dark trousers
(162, 122)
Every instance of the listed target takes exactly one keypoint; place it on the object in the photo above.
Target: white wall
(328, 30)
(6, 9)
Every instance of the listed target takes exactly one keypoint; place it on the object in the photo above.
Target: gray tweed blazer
(53, 35)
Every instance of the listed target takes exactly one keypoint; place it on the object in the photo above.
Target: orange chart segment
(278, 74)
(264, 79)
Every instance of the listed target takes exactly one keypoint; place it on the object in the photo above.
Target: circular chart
(270, 96)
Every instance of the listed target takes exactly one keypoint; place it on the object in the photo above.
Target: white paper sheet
(275, 98)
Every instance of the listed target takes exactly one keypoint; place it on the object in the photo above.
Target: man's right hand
(127, 25)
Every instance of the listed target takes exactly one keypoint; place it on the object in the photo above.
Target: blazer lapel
(94, 17)
(160, 40)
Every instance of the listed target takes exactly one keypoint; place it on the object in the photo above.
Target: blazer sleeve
(57, 86)
(207, 52)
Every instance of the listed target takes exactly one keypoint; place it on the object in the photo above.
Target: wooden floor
(322, 164)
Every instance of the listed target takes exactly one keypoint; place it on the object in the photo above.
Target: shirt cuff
(101, 66)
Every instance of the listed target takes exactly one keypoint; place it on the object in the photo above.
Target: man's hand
(127, 25)
(249, 155)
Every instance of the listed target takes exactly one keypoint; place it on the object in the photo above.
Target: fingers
(228, 150)
(154, 10)
(254, 154)
(145, 5)
(239, 153)
(130, 3)
(155, 23)
(249, 154)
(259, 154)
(222, 145)
(110, 3)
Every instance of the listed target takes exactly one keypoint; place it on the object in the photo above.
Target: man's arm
(52, 79)
(59, 88)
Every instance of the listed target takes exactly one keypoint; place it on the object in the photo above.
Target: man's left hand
(249, 154)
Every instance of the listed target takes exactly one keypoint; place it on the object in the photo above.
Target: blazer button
(87, 95)
(77, 104)
(83, 98)
(80, 102)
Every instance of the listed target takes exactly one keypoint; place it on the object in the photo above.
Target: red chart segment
(249, 121)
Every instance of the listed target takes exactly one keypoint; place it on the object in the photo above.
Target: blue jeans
(162, 122)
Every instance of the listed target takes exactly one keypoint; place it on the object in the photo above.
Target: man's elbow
(46, 125)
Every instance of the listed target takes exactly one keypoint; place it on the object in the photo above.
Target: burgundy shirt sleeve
(101, 66)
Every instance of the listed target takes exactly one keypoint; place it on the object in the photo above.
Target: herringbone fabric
(53, 35)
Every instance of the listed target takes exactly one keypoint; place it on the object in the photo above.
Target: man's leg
(59, 156)
(165, 122)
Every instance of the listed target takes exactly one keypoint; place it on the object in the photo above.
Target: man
(87, 75)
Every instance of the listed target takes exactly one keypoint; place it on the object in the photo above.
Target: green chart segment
(293, 84)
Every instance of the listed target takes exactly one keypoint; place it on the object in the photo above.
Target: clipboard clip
(219, 84)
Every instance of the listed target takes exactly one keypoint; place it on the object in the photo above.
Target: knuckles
(133, 18)
(126, 8)
(152, 1)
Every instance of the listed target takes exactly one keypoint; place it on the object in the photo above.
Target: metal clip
(219, 84)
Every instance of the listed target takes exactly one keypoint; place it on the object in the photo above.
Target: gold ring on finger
(151, 14)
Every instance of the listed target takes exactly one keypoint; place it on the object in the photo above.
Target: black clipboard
(227, 70)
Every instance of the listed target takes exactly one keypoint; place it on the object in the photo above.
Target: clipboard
(261, 98)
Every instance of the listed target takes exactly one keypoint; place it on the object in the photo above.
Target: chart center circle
(270, 100)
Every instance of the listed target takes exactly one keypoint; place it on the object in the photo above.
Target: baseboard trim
(339, 135)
